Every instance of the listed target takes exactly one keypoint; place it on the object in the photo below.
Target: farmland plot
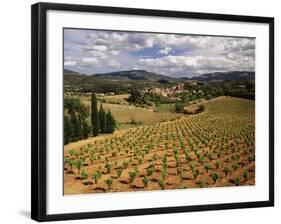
(215, 148)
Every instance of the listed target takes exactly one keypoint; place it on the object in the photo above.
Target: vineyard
(212, 149)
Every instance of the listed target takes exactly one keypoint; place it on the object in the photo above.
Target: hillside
(118, 82)
(134, 75)
(122, 81)
(224, 76)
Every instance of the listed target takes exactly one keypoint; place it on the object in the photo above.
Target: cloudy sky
(96, 51)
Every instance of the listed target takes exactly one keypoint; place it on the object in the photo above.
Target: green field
(129, 115)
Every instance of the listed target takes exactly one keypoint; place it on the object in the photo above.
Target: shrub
(108, 167)
(109, 182)
(78, 165)
(208, 97)
(202, 183)
(245, 174)
(218, 164)
(195, 173)
(96, 176)
(202, 159)
(162, 184)
(119, 172)
(235, 166)
(92, 159)
(188, 157)
(83, 159)
(126, 164)
(71, 152)
(69, 162)
(251, 158)
(132, 174)
(84, 175)
(237, 181)
(207, 167)
(180, 171)
(226, 170)
(164, 172)
(179, 107)
(145, 180)
(214, 177)
(150, 170)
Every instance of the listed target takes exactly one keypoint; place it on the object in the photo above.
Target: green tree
(77, 130)
(95, 115)
(110, 122)
(102, 118)
(179, 107)
(84, 112)
(68, 129)
(76, 126)
(136, 97)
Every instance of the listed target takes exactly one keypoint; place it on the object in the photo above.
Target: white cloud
(180, 65)
(99, 54)
(96, 48)
(238, 44)
(165, 50)
(69, 63)
(113, 64)
(169, 54)
(89, 61)
(114, 52)
(125, 41)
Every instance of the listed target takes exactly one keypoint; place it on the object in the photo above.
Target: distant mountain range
(224, 76)
(145, 76)
(133, 75)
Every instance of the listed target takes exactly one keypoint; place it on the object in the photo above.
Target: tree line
(76, 125)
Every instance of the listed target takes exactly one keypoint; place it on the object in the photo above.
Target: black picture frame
(39, 122)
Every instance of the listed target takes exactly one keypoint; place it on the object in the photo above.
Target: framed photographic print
(139, 111)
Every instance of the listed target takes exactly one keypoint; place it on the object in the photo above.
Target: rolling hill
(115, 81)
(134, 75)
(224, 76)
(124, 80)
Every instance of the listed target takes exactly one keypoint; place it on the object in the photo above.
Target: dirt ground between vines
(74, 184)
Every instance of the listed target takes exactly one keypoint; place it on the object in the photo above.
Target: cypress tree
(76, 128)
(95, 115)
(68, 130)
(102, 117)
(86, 129)
(110, 122)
